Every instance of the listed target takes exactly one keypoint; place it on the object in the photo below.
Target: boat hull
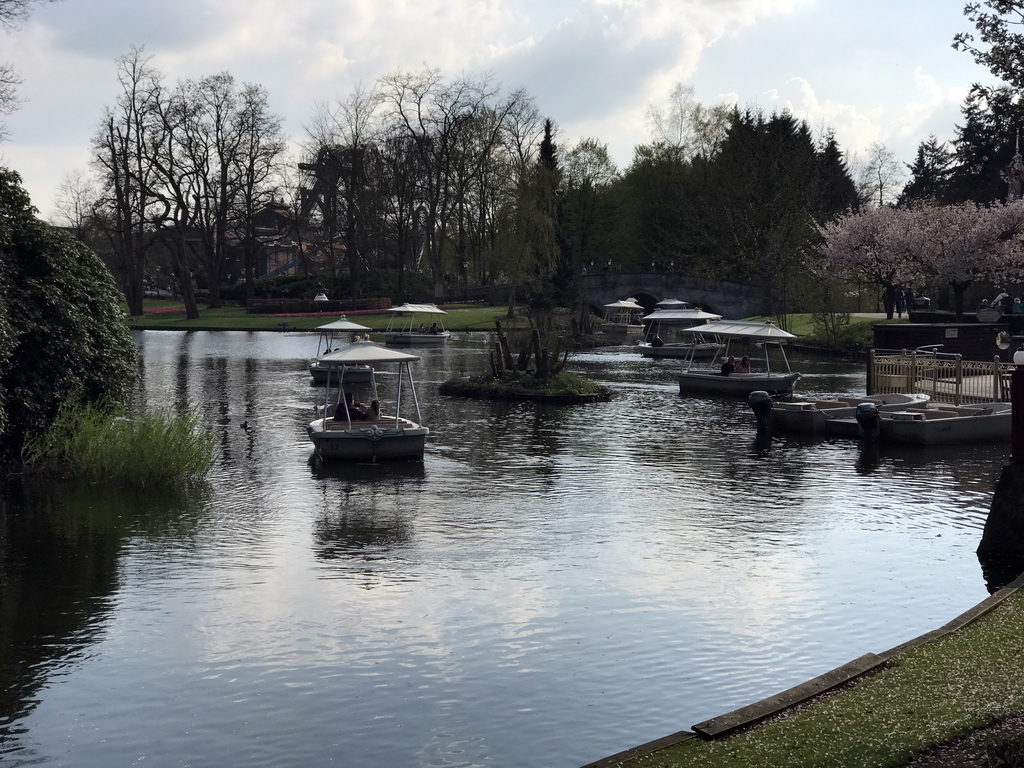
(835, 417)
(911, 423)
(736, 384)
(405, 337)
(381, 440)
(353, 373)
(681, 351)
(991, 423)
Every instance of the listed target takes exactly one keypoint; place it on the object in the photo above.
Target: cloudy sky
(872, 70)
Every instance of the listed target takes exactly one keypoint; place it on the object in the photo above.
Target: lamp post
(1004, 340)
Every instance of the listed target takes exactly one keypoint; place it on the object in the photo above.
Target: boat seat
(825, 404)
(940, 414)
(342, 424)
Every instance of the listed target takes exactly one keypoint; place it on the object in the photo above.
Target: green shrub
(62, 332)
(96, 443)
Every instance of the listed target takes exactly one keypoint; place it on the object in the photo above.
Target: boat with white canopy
(712, 379)
(349, 431)
(329, 341)
(623, 316)
(404, 329)
(662, 322)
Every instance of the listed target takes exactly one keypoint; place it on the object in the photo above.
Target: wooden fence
(947, 378)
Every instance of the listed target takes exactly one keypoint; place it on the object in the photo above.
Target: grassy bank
(96, 444)
(168, 315)
(927, 695)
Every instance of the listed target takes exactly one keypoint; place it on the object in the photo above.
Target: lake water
(549, 586)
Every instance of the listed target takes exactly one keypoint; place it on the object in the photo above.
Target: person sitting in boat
(983, 305)
(729, 366)
(743, 366)
(374, 410)
(434, 328)
(657, 342)
(356, 411)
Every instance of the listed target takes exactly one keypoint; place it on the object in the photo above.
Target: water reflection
(550, 585)
(59, 570)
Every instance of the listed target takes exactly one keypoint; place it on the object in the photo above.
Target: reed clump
(93, 442)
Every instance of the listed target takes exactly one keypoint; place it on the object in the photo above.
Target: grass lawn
(932, 693)
(164, 314)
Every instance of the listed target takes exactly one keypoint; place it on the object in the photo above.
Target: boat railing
(944, 377)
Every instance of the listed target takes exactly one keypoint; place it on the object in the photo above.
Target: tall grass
(97, 443)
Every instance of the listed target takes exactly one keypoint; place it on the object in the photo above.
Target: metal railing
(946, 378)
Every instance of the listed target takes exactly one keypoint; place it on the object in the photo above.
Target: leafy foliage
(64, 338)
(955, 244)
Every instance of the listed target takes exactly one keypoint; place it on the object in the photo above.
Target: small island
(536, 372)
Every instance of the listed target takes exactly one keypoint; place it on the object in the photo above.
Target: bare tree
(434, 114)
(341, 145)
(879, 176)
(687, 125)
(75, 203)
(121, 147)
(13, 14)
(258, 172)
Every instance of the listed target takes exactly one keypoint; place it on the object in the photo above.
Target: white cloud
(593, 66)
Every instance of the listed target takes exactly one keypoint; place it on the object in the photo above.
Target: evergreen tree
(838, 190)
(929, 174)
(984, 145)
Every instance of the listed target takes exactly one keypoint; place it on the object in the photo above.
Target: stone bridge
(729, 299)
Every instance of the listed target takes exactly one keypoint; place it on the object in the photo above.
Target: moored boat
(347, 431)
(835, 416)
(938, 424)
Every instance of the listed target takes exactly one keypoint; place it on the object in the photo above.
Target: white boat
(347, 434)
(939, 424)
(835, 416)
(665, 321)
(623, 316)
(407, 327)
(711, 380)
(330, 341)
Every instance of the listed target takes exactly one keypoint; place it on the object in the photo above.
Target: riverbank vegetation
(97, 443)
(926, 696)
(63, 340)
(164, 314)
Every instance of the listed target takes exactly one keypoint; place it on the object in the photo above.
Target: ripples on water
(549, 586)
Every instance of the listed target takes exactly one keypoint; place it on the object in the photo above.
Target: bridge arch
(728, 298)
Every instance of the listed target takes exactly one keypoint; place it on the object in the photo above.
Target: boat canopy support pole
(415, 399)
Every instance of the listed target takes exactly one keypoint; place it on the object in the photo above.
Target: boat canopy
(743, 329)
(367, 353)
(672, 304)
(690, 315)
(417, 309)
(624, 304)
(342, 324)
